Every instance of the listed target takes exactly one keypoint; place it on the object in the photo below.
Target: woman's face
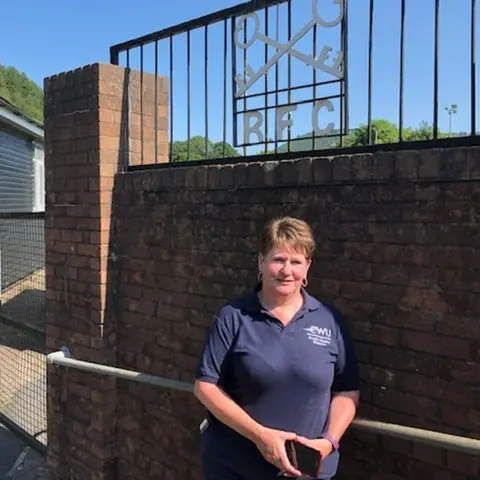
(283, 270)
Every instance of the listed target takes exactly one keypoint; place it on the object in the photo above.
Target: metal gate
(22, 326)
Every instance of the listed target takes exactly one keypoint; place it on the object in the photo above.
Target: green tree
(21, 91)
(197, 150)
(424, 131)
(383, 131)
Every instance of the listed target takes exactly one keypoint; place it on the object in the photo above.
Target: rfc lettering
(254, 124)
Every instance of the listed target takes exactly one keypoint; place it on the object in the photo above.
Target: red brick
(424, 299)
(436, 344)
(88, 250)
(407, 319)
(460, 371)
(406, 403)
(463, 463)
(429, 454)
(456, 326)
(464, 418)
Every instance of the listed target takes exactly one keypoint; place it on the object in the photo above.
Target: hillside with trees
(383, 131)
(196, 149)
(21, 91)
(301, 143)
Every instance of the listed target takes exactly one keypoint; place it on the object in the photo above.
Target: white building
(22, 184)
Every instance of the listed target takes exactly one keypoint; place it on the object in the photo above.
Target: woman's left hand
(321, 444)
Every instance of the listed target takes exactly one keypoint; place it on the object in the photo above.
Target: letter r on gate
(254, 129)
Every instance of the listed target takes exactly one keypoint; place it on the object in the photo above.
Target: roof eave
(7, 116)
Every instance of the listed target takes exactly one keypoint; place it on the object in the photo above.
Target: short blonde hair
(288, 232)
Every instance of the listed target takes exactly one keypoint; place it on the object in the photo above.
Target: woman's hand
(321, 444)
(271, 444)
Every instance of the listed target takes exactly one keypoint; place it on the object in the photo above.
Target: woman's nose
(286, 269)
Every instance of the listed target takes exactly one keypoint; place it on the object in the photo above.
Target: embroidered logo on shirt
(319, 335)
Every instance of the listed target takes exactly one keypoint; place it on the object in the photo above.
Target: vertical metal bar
(1, 263)
(266, 82)
(188, 94)
(314, 78)
(141, 104)
(244, 73)
(206, 91)
(114, 56)
(473, 68)
(171, 99)
(342, 85)
(346, 117)
(435, 74)
(370, 68)
(234, 85)
(402, 71)
(277, 76)
(225, 46)
(289, 75)
(156, 102)
(128, 57)
(125, 140)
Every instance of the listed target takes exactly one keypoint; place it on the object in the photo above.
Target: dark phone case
(306, 459)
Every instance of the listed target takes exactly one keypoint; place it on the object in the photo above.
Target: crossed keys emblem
(319, 62)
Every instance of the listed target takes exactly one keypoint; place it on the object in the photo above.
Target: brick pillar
(92, 127)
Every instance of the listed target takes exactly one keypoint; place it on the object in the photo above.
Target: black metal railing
(22, 325)
(263, 77)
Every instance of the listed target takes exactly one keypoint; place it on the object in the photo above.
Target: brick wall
(92, 128)
(398, 254)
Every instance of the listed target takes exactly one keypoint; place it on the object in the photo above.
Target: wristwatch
(334, 442)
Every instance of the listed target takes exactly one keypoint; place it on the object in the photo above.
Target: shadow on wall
(22, 321)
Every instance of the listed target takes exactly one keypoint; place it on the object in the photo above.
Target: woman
(277, 365)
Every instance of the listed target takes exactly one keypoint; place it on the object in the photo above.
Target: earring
(259, 276)
(304, 282)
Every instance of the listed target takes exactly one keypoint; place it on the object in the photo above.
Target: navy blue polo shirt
(282, 376)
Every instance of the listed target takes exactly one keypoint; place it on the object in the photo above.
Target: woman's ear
(261, 258)
(309, 263)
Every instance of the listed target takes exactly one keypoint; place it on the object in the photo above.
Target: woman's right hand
(271, 444)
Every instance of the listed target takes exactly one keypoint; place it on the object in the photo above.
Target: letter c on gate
(316, 109)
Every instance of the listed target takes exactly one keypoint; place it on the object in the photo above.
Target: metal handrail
(429, 437)
(63, 358)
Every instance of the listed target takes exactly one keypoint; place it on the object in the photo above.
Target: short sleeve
(214, 359)
(346, 369)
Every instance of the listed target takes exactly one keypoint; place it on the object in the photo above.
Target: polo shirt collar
(253, 305)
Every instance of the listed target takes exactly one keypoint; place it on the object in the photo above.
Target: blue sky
(43, 39)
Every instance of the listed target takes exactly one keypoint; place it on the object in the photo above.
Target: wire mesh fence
(22, 324)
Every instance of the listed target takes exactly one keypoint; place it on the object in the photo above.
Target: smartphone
(303, 458)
